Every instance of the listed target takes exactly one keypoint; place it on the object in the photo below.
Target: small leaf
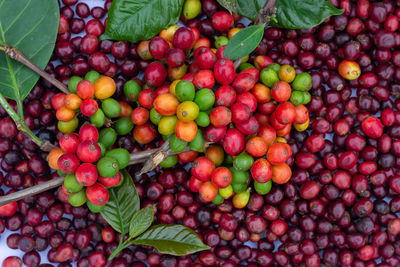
(230, 5)
(122, 205)
(175, 240)
(135, 20)
(303, 14)
(249, 8)
(244, 42)
(31, 27)
(141, 221)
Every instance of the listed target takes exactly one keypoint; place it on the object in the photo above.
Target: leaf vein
(6, 84)
(31, 30)
(18, 16)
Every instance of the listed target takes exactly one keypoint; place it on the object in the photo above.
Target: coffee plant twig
(135, 158)
(266, 13)
(156, 158)
(31, 191)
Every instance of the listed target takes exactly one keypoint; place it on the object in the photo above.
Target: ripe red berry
(89, 107)
(88, 151)
(97, 194)
(88, 132)
(69, 142)
(86, 174)
(68, 163)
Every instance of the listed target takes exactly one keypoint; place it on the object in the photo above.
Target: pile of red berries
(340, 206)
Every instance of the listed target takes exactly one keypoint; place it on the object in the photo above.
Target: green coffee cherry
(169, 162)
(94, 208)
(243, 162)
(124, 126)
(176, 145)
(107, 166)
(132, 90)
(121, 155)
(71, 184)
(107, 137)
(111, 107)
(73, 83)
(77, 199)
(302, 82)
(269, 77)
(191, 9)
(98, 119)
(92, 76)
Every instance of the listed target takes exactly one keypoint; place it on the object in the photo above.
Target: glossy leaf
(244, 42)
(141, 221)
(291, 14)
(124, 202)
(172, 239)
(230, 5)
(249, 8)
(303, 14)
(135, 20)
(31, 27)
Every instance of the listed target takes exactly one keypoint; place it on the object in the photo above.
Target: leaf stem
(19, 121)
(19, 104)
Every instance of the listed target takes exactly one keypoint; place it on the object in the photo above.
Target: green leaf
(30, 26)
(135, 20)
(230, 5)
(303, 14)
(176, 239)
(249, 8)
(122, 205)
(244, 42)
(291, 14)
(141, 221)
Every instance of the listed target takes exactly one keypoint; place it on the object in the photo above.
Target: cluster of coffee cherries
(89, 167)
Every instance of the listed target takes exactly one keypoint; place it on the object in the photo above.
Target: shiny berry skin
(88, 151)
(158, 47)
(86, 174)
(97, 194)
(205, 57)
(94, 27)
(68, 163)
(69, 142)
(99, 62)
(155, 74)
(175, 57)
(183, 38)
(222, 21)
(372, 127)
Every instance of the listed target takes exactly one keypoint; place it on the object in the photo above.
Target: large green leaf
(172, 239)
(230, 5)
(31, 26)
(141, 221)
(134, 20)
(244, 42)
(124, 202)
(303, 14)
(249, 8)
(291, 14)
